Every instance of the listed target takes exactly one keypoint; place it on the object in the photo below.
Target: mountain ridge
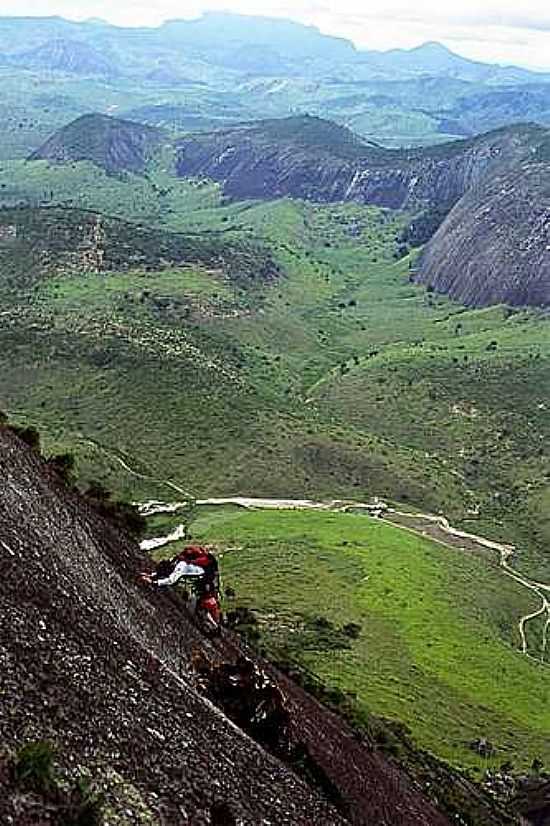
(237, 27)
(66, 55)
(316, 160)
(235, 68)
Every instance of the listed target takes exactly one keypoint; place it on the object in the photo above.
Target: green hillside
(196, 303)
(336, 373)
(434, 626)
(182, 345)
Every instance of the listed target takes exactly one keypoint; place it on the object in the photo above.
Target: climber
(193, 561)
(197, 564)
(252, 700)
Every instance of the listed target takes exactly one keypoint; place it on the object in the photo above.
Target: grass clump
(34, 766)
(75, 803)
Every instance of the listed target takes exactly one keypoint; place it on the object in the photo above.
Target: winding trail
(438, 528)
(407, 520)
(112, 455)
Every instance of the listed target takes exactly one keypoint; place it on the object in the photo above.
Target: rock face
(316, 160)
(95, 663)
(494, 246)
(113, 144)
(78, 639)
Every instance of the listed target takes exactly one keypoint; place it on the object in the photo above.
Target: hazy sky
(504, 31)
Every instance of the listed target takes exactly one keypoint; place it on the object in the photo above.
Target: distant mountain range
(227, 68)
(264, 45)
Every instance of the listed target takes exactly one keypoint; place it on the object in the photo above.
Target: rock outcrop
(95, 663)
(111, 143)
(313, 159)
(494, 246)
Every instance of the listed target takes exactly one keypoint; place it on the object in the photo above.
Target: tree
(537, 766)
(188, 513)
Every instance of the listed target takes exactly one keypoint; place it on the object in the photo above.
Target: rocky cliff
(316, 160)
(115, 145)
(494, 246)
(105, 670)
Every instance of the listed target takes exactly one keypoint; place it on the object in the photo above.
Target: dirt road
(436, 527)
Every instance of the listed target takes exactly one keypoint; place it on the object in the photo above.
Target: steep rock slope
(311, 158)
(105, 669)
(494, 247)
(77, 640)
(115, 145)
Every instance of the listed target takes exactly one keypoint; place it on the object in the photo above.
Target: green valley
(183, 344)
(434, 622)
(287, 299)
(339, 375)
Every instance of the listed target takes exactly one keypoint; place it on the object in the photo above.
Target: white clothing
(182, 569)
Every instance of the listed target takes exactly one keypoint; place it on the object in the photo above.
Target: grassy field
(341, 377)
(437, 648)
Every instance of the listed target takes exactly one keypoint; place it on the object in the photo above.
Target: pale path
(377, 508)
(131, 470)
(152, 544)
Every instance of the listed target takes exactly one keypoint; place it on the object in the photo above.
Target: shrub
(123, 514)
(245, 622)
(84, 806)
(352, 630)
(78, 805)
(63, 464)
(96, 490)
(34, 766)
(29, 435)
(128, 517)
